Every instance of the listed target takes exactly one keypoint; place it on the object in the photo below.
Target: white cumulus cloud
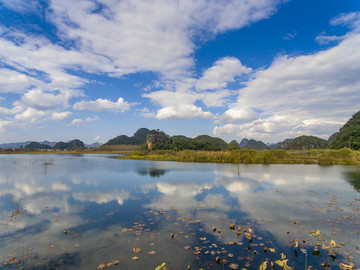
(221, 73)
(182, 112)
(103, 105)
(179, 97)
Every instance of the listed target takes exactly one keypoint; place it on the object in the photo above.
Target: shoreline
(250, 156)
(242, 156)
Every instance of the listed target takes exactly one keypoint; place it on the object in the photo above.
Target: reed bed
(250, 156)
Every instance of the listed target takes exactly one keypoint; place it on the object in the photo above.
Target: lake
(96, 211)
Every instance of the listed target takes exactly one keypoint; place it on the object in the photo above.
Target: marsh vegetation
(251, 156)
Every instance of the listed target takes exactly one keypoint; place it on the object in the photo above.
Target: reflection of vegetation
(251, 156)
(156, 172)
(152, 172)
(354, 179)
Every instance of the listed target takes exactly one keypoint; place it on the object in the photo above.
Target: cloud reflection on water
(110, 195)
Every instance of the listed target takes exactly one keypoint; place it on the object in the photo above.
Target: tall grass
(250, 156)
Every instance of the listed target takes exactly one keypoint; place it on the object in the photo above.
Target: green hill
(215, 143)
(37, 146)
(258, 145)
(307, 142)
(138, 138)
(71, 145)
(348, 135)
(233, 145)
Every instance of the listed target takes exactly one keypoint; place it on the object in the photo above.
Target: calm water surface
(87, 211)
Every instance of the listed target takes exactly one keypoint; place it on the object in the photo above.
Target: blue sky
(95, 69)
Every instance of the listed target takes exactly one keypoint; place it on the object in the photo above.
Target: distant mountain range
(50, 145)
(348, 136)
(23, 144)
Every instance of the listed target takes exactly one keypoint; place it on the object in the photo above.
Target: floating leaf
(116, 262)
(324, 246)
(203, 238)
(218, 259)
(137, 250)
(101, 266)
(263, 266)
(161, 266)
(283, 264)
(346, 266)
(248, 235)
(283, 256)
(317, 233)
(214, 229)
(272, 250)
(230, 255)
(187, 247)
(172, 235)
(152, 252)
(231, 243)
(333, 244)
(233, 266)
(135, 258)
(232, 227)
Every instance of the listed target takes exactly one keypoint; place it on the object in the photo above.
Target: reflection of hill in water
(354, 179)
(152, 172)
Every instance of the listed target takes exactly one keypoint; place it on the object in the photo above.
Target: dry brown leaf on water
(152, 252)
(346, 266)
(248, 235)
(324, 246)
(231, 243)
(187, 247)
(137, 250)
(232, 227)
(172, 235)
(283, 256)
(116, 262)
(230, 255)
(263, 266)
(272, 250)
(135, 258)
(317, 233)
(101, 266)
(203, 238)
